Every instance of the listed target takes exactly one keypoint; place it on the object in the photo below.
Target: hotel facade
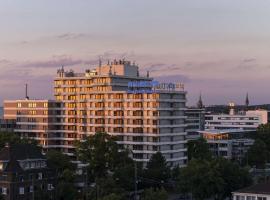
(144, 115)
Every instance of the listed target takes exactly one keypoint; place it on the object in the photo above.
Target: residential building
(260, 191)
(229, 143)
(146, 116)
(39, 120)
(24, 173)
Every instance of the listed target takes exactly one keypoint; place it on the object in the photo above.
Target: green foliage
(100, 151)
(12, 138)
(264, 129)
(104, 187)
(216, 178)
(157, 171)
(154, 194)
(112, 197)
(199, 149)
(66, 191)
(258, 155)
(65, 171)
(59, 161)
(234, 177)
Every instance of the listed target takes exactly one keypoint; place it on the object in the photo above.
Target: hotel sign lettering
(152, 86)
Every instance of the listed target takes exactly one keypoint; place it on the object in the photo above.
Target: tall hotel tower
(146, 116)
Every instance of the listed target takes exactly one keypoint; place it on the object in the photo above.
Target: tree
(157, 171)
(65, 171)
(104, 187)
(103, 155)
(216, 178)
(234, 177)
(12, 138)
(154, 194)
(66, 191)
(263, 134)
(199, 149)
(112, 197)
(258, 155)
(200, 179)
(59, 161)
(100, 151)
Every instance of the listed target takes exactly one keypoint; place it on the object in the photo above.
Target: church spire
(200, 103)
(247, 101)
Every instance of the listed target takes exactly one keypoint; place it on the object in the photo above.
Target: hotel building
(146, 116)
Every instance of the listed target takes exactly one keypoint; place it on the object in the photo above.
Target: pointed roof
(200, 102)
(13, 153)
(247, 100)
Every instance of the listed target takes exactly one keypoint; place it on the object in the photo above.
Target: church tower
(247, 101)
(200, 102)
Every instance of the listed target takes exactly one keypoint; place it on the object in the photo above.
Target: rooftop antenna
(26, 92)
(99, 61)
(99, 65)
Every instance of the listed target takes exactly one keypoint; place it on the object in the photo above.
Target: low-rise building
(24, 173)
(249, 120)
(256, 192)
(231, 144)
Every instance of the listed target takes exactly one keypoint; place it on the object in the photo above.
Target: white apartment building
(249, 120)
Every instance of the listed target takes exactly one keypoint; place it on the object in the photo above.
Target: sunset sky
(218, 47)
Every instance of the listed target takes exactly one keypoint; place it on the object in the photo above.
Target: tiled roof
(12, 154)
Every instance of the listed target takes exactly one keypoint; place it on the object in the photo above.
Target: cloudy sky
(219, 48)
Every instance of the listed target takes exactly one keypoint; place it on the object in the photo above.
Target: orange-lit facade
(100, 100)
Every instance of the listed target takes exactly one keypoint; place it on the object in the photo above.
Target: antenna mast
(26, 92)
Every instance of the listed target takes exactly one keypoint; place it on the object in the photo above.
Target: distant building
(7, 125)
(195, 119)
(24, 173)
(256, 192)
(249, 120)
(231, 144)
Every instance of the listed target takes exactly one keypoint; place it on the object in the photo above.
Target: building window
(4, 191)
(251, 197)
(261, 198)
(39, 176)
(21, 190)
(31, 188)
(50, 186)
(19, 105)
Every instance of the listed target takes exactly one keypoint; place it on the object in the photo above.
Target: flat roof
(223, 131)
